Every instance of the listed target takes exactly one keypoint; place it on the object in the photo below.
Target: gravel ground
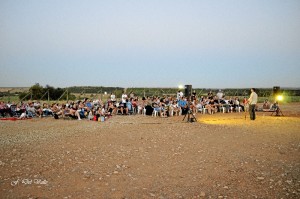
(220, 156)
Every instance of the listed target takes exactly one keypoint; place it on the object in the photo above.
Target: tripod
(278, 112)
(191, 117)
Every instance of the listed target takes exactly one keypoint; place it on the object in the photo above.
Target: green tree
(37, 91)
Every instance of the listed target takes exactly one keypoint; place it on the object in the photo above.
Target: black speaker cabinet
(187, 90)
(276, 90)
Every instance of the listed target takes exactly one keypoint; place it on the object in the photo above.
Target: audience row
(98, 109)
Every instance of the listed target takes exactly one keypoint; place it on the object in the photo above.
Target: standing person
(252, 103)
(210, 95)
(124, 102)
(113, 97)
(179, 94)
(220, 95)
(193, 97)
(124, 97)
(183, 104)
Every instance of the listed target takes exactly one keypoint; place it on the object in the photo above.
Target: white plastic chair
(238, 109)
(154, 113)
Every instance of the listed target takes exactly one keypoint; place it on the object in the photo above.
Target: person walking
(252, 103)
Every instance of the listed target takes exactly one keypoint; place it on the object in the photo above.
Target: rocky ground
(220, 156)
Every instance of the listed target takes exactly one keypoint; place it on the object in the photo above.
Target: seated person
(199, 106)
(129, 106)
(32, 111)
(174, 108)
(266, 105)
(238, 104)
(88, 105)
(274, 106)
(123, 108)
(156, 107)
(82, 109)
(4, 109)
(19, 109)
(149, 109)
(57, 111)
(225, 105)
(46, 110)
(91, 115)
(111, 108)
(100, 112)
(74, 112)
(134, 105)
(64, 111)
(211, 107)
(141, 105)
(163, 108)
(217, 103)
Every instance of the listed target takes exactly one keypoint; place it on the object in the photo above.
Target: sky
(150, 43)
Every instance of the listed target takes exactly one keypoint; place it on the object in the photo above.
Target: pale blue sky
(155, 43)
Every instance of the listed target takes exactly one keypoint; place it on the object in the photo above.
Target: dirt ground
(220, 156)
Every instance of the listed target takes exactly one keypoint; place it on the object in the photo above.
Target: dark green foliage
(38, 92)
(93, 89)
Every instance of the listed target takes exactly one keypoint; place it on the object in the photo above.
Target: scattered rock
(202, 194)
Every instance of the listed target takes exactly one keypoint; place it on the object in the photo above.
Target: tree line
(38, 92)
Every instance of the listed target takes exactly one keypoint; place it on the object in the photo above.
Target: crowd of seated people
(269, 107)
(213, 104)
(166, 106)
(31, 109)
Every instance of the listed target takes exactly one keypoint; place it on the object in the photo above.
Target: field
(220, 156)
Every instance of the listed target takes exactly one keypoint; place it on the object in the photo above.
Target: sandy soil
(220, 156)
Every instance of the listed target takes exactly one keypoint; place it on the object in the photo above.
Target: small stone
(289, 181)
(260, 178)
(152, 194)
(202, 194)
(226, 187)
(116, 172)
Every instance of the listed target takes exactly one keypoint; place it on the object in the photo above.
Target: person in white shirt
(113, 97)
(124, 97)
(124, 104)
(181, 94)
(220, 95)
(178, 95)
(252, 103)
